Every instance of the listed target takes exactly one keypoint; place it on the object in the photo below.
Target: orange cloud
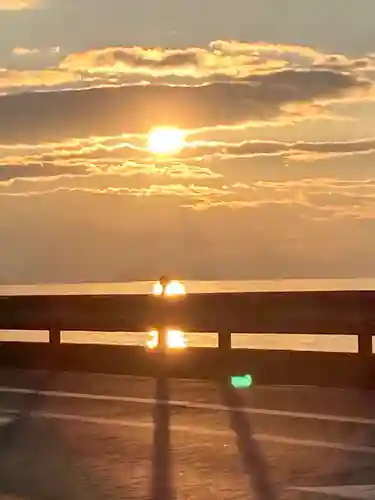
(220, 61)
(22, 51)
(113, 184)
(18, 4)
(35, 78)
(157, 62)
(324, 198)
(255, 48)
(299, 151)
(121, 155)
(135, 109)
(109, 155)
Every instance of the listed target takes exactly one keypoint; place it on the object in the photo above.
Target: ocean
(332, 343)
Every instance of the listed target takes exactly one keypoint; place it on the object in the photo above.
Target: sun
(173, 288)
(165, 140)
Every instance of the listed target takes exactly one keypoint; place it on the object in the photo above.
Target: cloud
(18, 4)
(134, 109)
(21, 79)
(198, 160)
(116, 185)
(113, 155)
(23, 51)
(301, 53)
(319, 198)
(221, 58)
(38, 171)
(57, 168)
(113, 161)
(196, 63)
(335, 197)
(299, 151)
(256, 48)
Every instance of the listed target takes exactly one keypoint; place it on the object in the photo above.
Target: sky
(276, 99)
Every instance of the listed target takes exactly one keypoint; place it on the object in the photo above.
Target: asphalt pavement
(72, 436)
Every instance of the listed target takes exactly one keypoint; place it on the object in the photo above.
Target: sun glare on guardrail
(172, 288)
(175, 340)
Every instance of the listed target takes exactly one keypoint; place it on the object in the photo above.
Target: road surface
(88, 436)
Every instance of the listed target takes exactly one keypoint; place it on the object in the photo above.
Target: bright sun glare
(166, 140)
(173, 288)
(175, 340)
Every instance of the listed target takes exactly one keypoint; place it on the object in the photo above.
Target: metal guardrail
(310, 312)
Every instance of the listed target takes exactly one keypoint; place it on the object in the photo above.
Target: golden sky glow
(263, 135)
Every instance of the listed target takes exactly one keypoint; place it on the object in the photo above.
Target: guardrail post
(365, 344)
(225, 341)
(163, 313)
(162, 338)
(365, 357)
(54, 336)
(225, 347)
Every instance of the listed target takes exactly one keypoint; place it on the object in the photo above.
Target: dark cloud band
(51, 116)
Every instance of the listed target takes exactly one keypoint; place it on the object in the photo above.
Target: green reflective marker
(241, 381)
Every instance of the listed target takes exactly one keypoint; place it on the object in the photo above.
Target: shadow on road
(161, 488)
(253, 461)
(354, 468)
(36, 460)
(29, 403)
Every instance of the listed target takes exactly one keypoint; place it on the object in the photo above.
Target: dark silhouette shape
(253, 461)
(164, 281)
(161, 462)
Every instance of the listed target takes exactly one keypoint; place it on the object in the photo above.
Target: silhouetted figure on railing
(164, 281)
